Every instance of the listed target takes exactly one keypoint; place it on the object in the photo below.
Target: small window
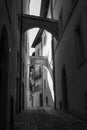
(60, 105)
(33, 54)
(44, 83)
(46, 100)
(79, 44)
(38, 52)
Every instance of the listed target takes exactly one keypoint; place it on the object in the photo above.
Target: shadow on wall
(4, 61)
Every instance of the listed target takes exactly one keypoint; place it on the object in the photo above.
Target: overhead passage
(30, 21)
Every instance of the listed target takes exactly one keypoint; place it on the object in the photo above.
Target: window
(38, 52)
(60, 105)
(46, 100)
(33, 54)
(44, 83)
(79, 44)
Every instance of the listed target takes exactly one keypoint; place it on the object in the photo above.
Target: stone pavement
(70, 120)
(47, 119)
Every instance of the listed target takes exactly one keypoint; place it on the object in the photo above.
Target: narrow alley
(43, 65)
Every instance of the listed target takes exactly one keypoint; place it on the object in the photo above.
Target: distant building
(36, 83)
(43, 47)
(25, 61)
(42, 93)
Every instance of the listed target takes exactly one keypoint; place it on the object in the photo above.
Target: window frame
(79, 48)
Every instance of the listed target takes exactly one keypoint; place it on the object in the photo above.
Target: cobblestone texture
(43, 120)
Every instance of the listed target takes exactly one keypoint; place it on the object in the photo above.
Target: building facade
(70, 56)
(43, 48)
(36, 82)
(43, 76)
(13, 60)
(10, 63)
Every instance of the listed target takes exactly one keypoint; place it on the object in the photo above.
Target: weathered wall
(68, 56)
(9, 19)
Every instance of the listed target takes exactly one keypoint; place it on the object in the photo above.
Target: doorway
(64, 91)
(41, 99)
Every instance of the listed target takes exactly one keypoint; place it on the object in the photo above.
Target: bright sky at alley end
(34, 10)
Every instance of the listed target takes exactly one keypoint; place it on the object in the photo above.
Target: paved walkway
(47, 119)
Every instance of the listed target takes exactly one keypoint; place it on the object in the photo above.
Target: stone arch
(30, 21)
(4, 60)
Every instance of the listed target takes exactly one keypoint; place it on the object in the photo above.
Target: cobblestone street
(44, 120)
